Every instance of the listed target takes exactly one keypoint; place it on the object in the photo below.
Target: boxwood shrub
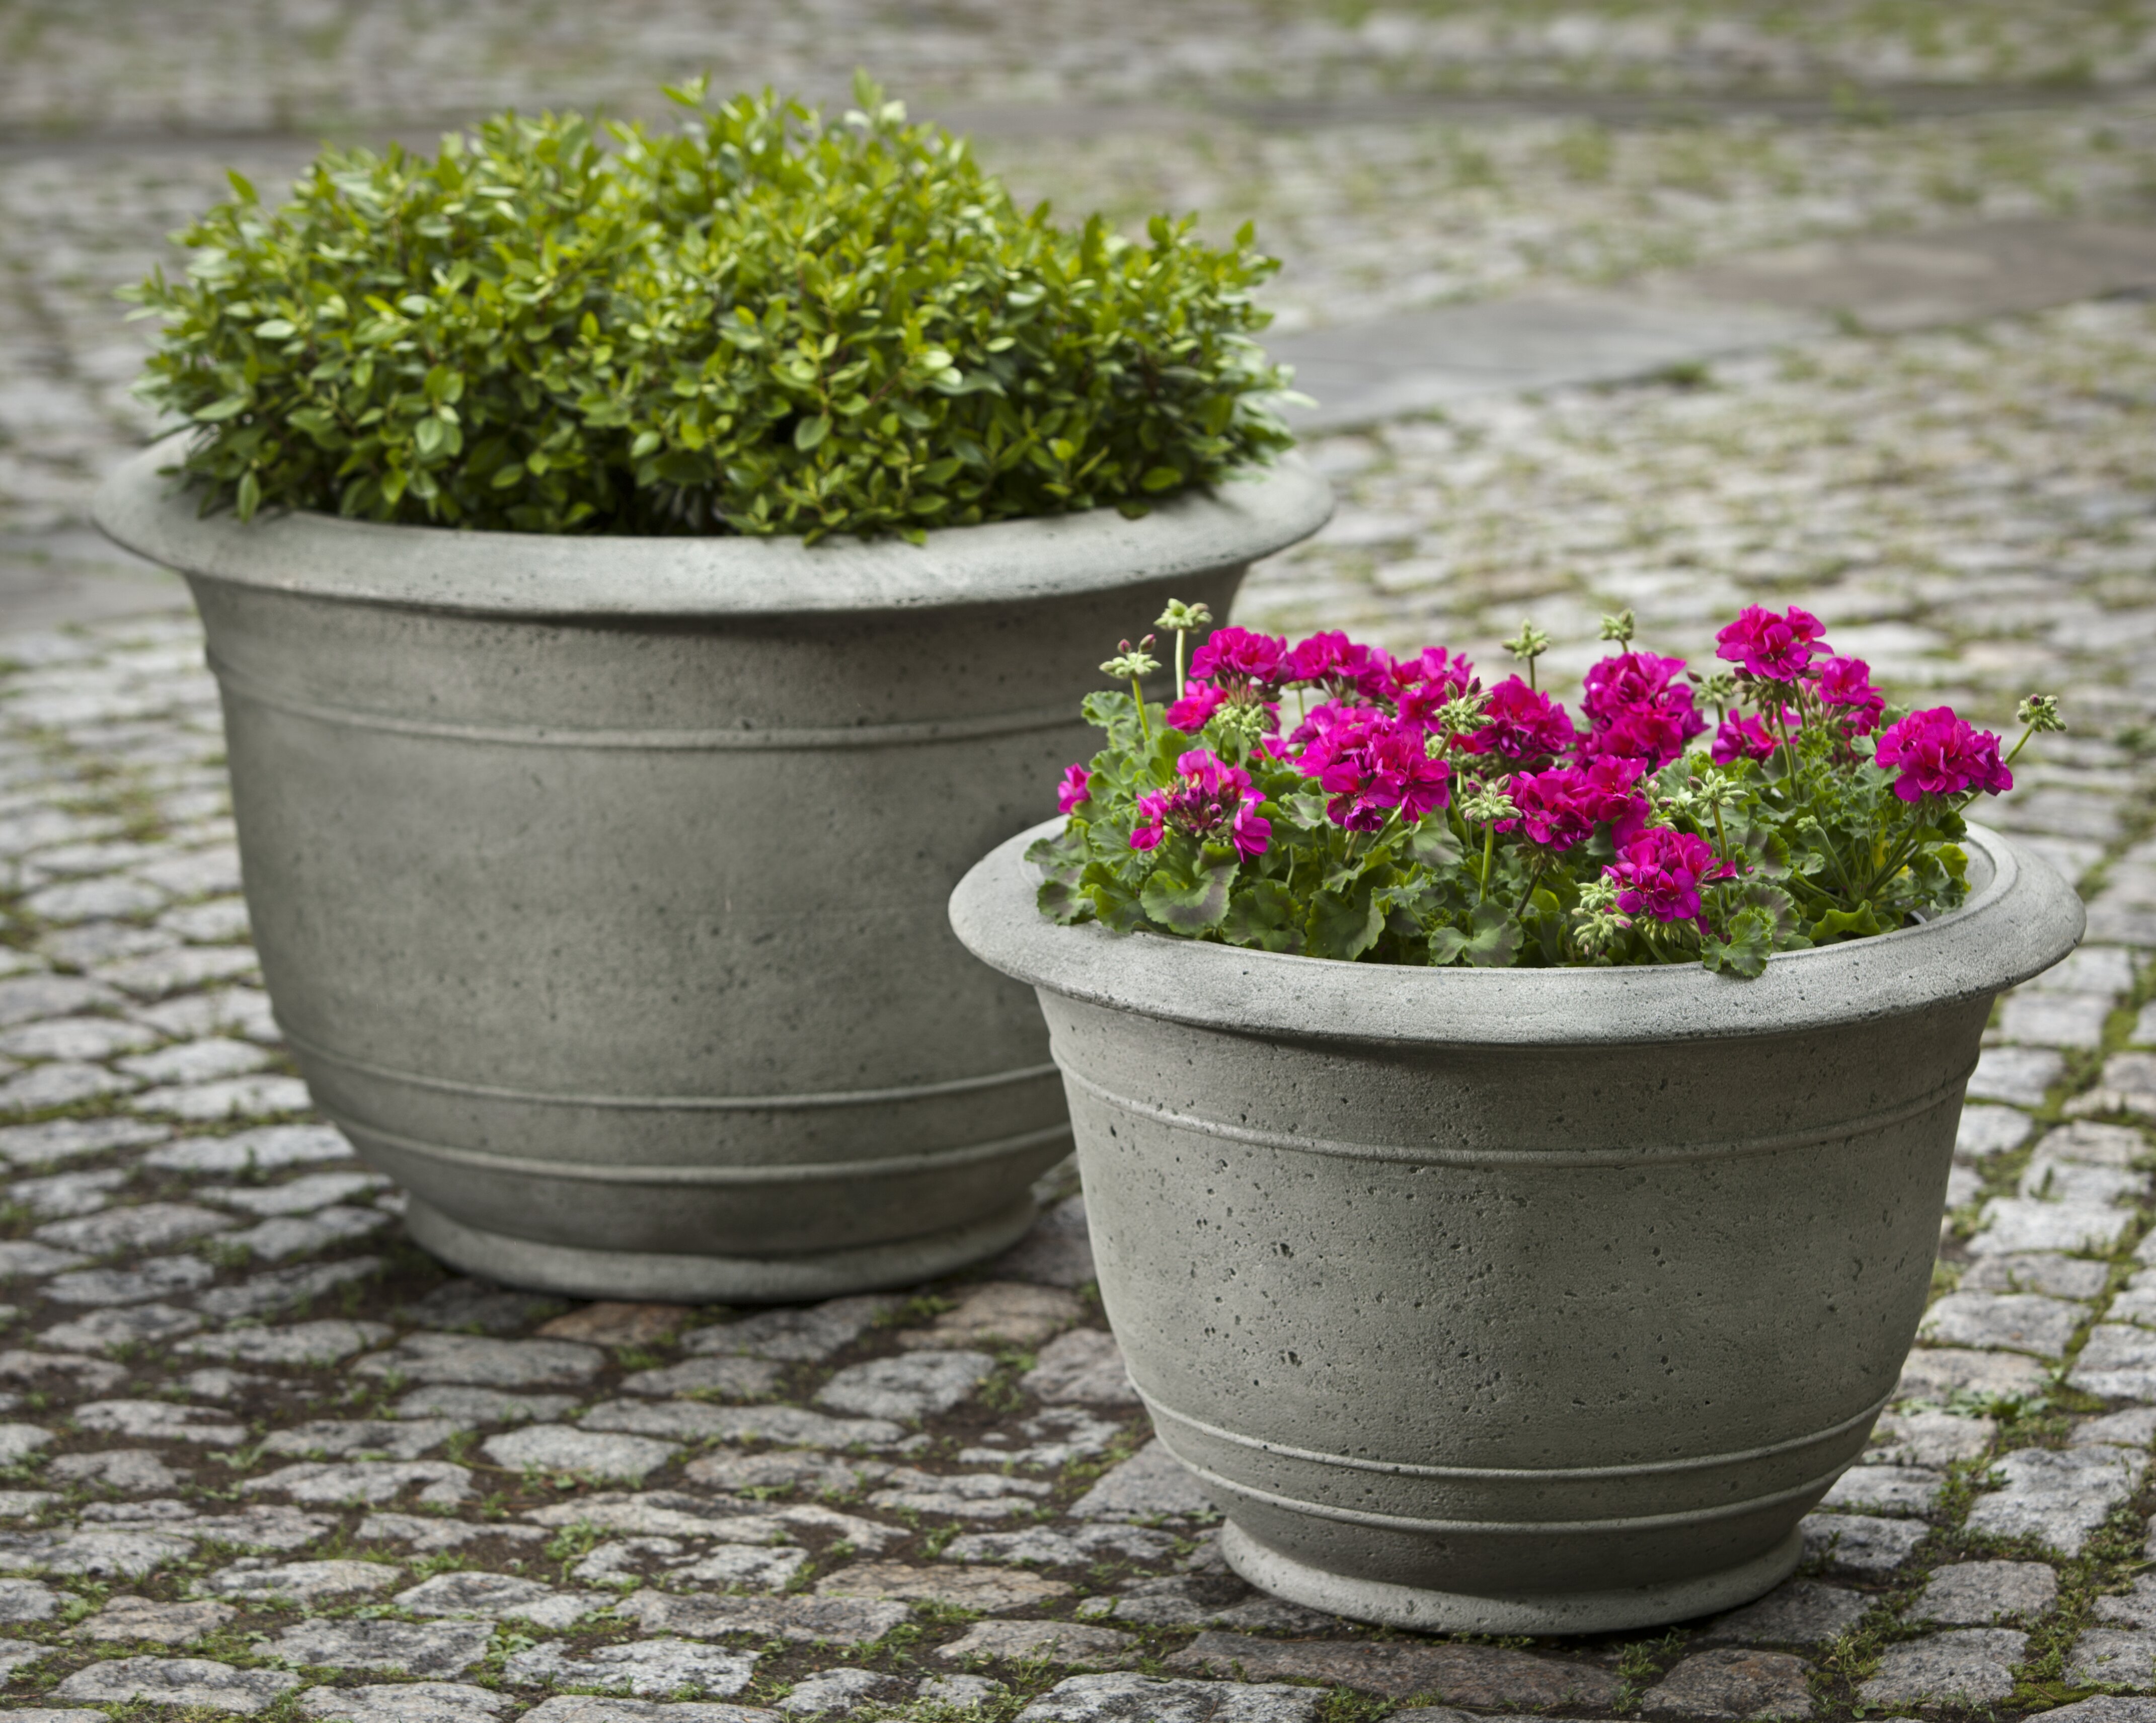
(758, 322)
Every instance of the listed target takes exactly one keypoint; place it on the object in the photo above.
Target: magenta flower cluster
(1338, 799)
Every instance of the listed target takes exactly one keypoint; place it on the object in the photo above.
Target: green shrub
(759, 324)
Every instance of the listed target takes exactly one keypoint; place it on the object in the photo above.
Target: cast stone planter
(1516, 1300)
(599, 882)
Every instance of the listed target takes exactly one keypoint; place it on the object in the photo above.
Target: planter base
(1557, 1613)
(577, 1273)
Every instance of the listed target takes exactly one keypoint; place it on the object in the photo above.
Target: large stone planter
(599, 882)
(1524, 1300)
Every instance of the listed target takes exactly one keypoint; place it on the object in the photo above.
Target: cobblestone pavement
(262, 1456)
(216, 65)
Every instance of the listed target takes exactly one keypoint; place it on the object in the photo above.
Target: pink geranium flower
(1776, 649)
(1846, 683)
(1659, 873)
(1343, 665)
(1609, 789)
(1074, 791)
(1424, 682)
(1742, 738)
(1521, 724)
(1241, 661)
(1212, 798)
(1555, 808)
(1194, 710)
(1639, 707)
(1938, 754)
(1373, 764)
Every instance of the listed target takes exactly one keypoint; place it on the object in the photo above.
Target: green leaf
(1430, 841)
(1343, 925)
(1494, 939)
(1264, 915)
(1188, 903)
(1161, 479)
(1063, 902)
(274, 329)
(1744, 953)
(1860, 923)
(248, 497)
(810, 433)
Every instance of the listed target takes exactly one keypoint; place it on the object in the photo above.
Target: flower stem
(1489, 850)
(1137, 693)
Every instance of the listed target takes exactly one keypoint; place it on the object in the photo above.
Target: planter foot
(1553, 1612)
(577, 1272)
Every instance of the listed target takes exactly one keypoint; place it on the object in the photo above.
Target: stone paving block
(1731, 1685)
(1045, 1547)
(364, 1437)
(2136, 1609)
(178, 1681)
(2097, 1145)
(404, 1702)
(149, 1226)
(77, 1038)
(644, 1668)
(334, 1484)
(800, 1336)
(91, 1555)
(199, 1061)
(1979, 1593)
(1860, 1543)
(2056, 1498)
(2055, 1019)
(2126, 1084)
(1926, 1438)
(1057, 1642)
(843, 1620)
(612, 1323)
(2013, 1224)
(781, 1469)
(307, 1583)
(2118, 1362)
(1886, 1489)
(493, 1597)
(1121, 1698)
(269, 1149)
(764, 1568)
(1935, 1372)
(696, 1420)
(2113, 1657)
(669, 1513)
(1010, 1311)
(1461, 1674)
(1971, 1667)
(482, 1406)
(908, 1387)
(61, 1084)
(580, 1708)
(1058, 1252)
(840, 1691)
(470, 1361)
(278, 1292)
(430, 1534)
(991, 1590)
(301, 1343)
(300, 1195)
(1151, 1482)
(2076, 1183)
(1086, 1365)
(70, 1139)
(965, 1495)
(733, 1378)
(2134, 1428)
(2106, 1708)
(1051, 1438)
(1798, 1612)
(429, 1648)
(2019, 1322)
(18, 1257)
(25, 1600)
(160, 1277)
(2044, 1271)
(1987, 1130)
(2017, 1074)
(125, 1620)
(556, 1447)
(159, 1421)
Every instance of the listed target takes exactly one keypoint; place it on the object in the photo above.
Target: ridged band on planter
(1518, 1300)
(598, 882)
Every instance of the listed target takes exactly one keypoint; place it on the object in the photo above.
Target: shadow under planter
(1524, 1300)
(598, 881)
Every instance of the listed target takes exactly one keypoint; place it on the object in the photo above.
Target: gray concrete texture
(1962, 491)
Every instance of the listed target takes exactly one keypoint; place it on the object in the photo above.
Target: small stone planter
(598, 882)
(1517, 1301)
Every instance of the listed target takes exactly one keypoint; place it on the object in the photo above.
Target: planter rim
(2016, 924)
(1250, 515)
